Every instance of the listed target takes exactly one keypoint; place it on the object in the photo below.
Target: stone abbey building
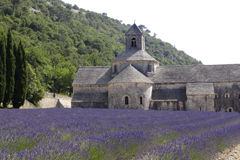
(135, 80)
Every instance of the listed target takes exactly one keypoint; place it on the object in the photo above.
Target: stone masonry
(135, 80)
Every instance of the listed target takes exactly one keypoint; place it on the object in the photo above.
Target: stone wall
(28, 104)
(118, 92)
(48, 103)
(54, 95)
(200, 102)
(52, 100)
(94, 96)
(222, 102)
(140, 41)
(167, 105)
(89, 104)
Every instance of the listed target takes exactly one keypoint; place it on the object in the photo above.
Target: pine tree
(10, 65)
(2, 66)
(20, 88)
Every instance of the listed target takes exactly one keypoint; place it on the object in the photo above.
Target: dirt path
(233, 153)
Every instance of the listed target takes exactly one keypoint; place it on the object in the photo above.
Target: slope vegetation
(59, 37)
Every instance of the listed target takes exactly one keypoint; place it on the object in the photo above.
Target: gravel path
(233, 153)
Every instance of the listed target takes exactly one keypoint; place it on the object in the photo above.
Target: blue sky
(208, 30)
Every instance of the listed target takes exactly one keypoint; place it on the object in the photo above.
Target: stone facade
(135, 92)
(53, 100)
(135, 80)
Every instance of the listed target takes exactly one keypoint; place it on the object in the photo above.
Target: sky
(207, 30)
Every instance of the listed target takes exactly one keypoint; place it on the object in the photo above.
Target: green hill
(59, 37)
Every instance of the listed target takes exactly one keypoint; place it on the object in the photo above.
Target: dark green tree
(20, 88)
(35, 91)
(15, 3)
(24, 76)
(148, 31)
(142, 27)
(2, 66)
(75, 7)
(10, 63)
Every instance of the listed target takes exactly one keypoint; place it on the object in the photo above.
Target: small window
(134, 43)
(115, 68)
(200, 108)
(149, 67)
(112, 98)
(216, 96)
(226, 95)
(126, 100)
(141, 100)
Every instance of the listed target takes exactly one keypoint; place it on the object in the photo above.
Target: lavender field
(102, 134)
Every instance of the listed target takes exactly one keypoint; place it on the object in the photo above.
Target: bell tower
(135, 38)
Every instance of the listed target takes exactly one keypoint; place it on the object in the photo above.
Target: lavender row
(109, 134)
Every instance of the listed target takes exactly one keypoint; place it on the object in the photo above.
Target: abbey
(136, 81)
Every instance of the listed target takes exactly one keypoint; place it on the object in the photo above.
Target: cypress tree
(24, 76)
(20, 88)
(2, 67)
(10, 63)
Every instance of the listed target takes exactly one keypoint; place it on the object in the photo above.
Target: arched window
(226, 95)
(141, 99)
(126, 100)
(230, 109)
(200, 108)
(134, 42)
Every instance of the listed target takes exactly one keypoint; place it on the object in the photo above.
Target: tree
(2, 66)
(148, 31)
(15, 3)
(142, 27)
(35, 91)
(10, 63)
(69, 6)
(21, 81)
(75, 7)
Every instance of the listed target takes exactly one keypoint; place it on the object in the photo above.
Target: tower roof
(134, 54)
(130, 75)
(134, 30)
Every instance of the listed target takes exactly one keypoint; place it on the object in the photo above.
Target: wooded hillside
(59, 37)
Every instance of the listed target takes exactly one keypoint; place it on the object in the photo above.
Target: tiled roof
(199, 88)
(197, 74)
(134, 30)
(130, 75)
(92, 76)
(134, 54)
